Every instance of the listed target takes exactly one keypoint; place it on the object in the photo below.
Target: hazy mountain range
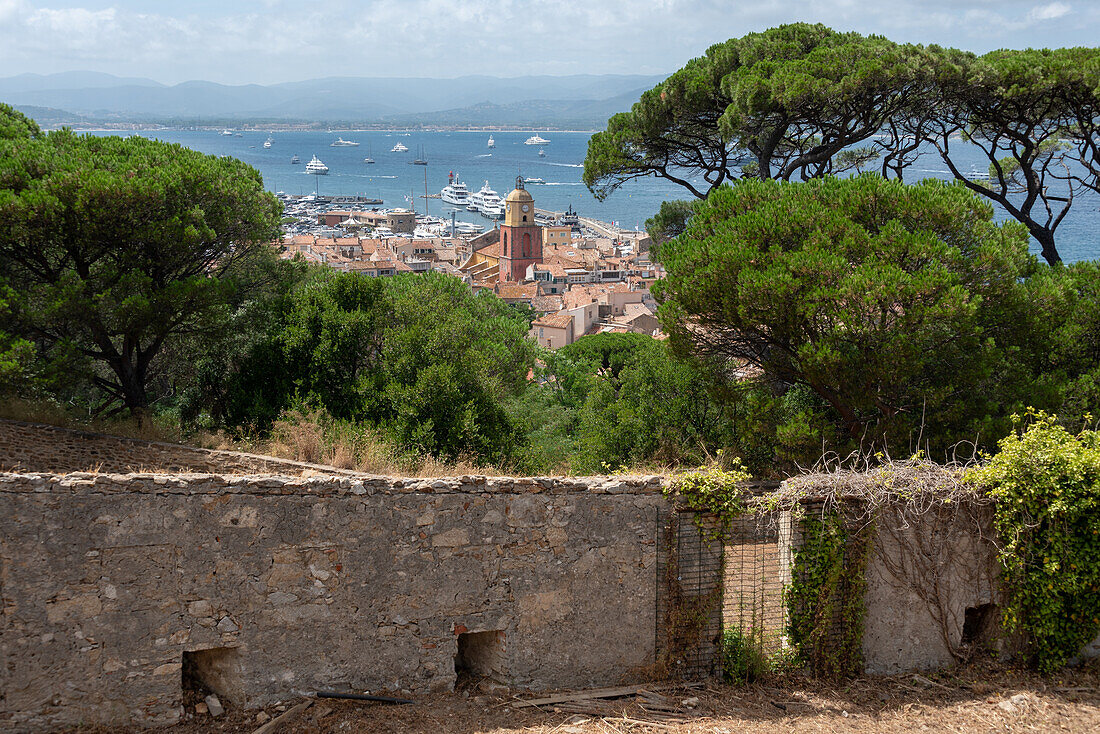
(580, 100)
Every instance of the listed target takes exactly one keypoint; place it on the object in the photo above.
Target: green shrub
(712, 489)
(742, 656)
(1046, 481)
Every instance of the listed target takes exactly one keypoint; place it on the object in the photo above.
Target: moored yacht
(400, 148)
(487, 202)
(455, 192)
(295, 159)
(316, 166)
(536, 140)
(268, 142)
(492, 143)
(341, 143)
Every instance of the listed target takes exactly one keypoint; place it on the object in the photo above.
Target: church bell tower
(520, 236)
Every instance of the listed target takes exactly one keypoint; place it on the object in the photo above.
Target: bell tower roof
(519, 206)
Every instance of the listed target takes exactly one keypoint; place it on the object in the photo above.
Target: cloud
(277, 40)
(1049, 11)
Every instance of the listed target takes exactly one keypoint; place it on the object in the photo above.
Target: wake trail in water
(565, 165)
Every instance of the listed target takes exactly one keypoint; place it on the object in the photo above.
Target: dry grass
(308, 437)
(975, 699)
(157, 428)
(316, 439)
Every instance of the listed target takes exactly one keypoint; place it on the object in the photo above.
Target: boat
(534, 180)
(316, 166)
(492, 143)
(368, 159)
(536, 140)
(295, 159)
(268, 142)
(420, 160)
(468, 228)
(455, 192)
(487, 202)
(227, 132)
(399, 148)
(570, 218)
(341, 143)
(542, 153)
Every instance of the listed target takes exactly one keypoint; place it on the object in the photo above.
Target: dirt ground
(973, 699)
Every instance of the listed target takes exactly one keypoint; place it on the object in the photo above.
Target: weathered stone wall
(324, 582)
(41, 448)
(923, 574)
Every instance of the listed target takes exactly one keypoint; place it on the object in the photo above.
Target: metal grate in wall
(712, 582)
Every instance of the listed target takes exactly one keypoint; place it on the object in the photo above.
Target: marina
(392, 178)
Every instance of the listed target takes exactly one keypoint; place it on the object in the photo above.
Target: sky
(271, 41)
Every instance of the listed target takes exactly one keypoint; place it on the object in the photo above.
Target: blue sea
(398, 183)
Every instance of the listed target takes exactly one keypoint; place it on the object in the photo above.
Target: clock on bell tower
(520, 235)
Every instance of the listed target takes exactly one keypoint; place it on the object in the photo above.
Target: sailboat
(420, 159)
(368, 159)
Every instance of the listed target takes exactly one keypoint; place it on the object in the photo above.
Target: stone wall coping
(89, 483)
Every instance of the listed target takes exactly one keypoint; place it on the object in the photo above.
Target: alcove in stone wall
(215, 670)
(480, 655)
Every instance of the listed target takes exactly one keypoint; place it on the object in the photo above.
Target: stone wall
(279, 586)
(41, 448)
(925, 576)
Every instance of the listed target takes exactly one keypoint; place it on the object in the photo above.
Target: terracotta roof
(546, 304)
(633, 310)
(517, 291)
(493, 250)
(554, 321)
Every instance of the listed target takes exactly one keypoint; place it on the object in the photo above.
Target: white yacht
(341, 143)
(488, 202)
(468, 228)
(400, 148)
(295, 159)
(542, 153)
(492, 143)
(316, 166)
(227, 133)
(455, 192)
(268, 142)
(534, 180)
(536, 140)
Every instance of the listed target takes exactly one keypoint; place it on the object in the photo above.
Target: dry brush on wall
(931, 563)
